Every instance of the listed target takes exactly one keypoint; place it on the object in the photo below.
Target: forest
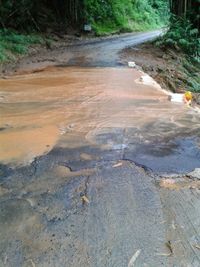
(22, 20)
(126, 15)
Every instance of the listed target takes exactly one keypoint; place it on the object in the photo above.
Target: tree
(190, 9)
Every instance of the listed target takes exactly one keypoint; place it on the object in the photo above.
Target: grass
(13, 44)
(126, 25)
(103, 29)
(108, 17)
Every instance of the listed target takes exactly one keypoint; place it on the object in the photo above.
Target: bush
(181, 35)
(12, 43)
(117, 15)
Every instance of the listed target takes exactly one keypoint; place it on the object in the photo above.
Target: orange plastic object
(188, 96)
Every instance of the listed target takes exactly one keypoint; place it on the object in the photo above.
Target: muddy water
(66, 105)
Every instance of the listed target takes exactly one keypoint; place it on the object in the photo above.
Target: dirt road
(93, 170)
(92, 52)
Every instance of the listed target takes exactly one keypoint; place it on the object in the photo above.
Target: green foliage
(28, 15)
(192, 67)
(15, 14)
(194, 85)
(104, 15)
(128, 15)
(12, 43)
(182, 35)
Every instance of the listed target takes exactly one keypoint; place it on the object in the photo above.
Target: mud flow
(106, 107)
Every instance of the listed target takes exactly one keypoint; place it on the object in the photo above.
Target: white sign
(87, 28)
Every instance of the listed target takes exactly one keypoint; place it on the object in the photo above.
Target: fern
(182, 35)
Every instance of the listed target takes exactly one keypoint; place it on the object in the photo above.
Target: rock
(194, 174)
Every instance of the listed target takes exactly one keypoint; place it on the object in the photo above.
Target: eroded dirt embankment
(172, 69)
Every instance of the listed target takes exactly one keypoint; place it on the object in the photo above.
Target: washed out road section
(94, 52)
(115, 108)
(80, 148)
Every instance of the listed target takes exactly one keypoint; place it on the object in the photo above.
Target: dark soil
(173, 70)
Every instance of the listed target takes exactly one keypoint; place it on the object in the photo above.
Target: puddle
(179, 155)
(25, 144)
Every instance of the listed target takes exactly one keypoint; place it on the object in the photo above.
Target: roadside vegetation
(182, 36)
(183, 40)
(121, 16)
(174, 58)
(181, 44)
(13, 44)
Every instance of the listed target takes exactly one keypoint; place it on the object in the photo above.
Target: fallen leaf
(196, 246)
(85, 200)
(169, 246)
(164, 254)
(117, 165)
(134, 258)
(169, 181)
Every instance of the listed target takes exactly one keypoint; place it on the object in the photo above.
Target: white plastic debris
(134, 258)
(148, 80)
(131, 64)
(178, 98)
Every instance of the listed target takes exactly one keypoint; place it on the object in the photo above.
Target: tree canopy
(188, 9)
(29, 14)
(26, 14)
(107, 16)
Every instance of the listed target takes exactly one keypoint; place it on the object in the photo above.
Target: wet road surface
(85, 53)
(92, 173)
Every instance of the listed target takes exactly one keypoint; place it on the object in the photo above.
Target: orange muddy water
(38, 110)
